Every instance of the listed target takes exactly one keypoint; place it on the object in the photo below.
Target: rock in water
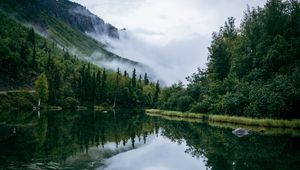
(240, 132)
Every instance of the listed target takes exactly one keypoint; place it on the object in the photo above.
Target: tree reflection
(57, 136)
(222, 150)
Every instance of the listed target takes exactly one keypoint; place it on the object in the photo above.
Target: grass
(294, 123)
(175, 113)
(173, 118)
(258, 129)
(53, 108)
(278, 123)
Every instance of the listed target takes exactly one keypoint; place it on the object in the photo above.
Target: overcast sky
(171, 36)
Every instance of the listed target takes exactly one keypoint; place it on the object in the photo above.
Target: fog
(170, 36)
(170, 62)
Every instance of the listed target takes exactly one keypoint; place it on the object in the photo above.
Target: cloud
(173, 61)
(171, 36)
(172, 156)
(163, 17)
(147, 32)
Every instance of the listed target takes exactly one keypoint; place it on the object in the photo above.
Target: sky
(170, 36)
(172, 156)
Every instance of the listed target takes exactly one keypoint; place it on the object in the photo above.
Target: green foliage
(65, 80)
(41, 87)
(252, 71)
(70, 103)
(17, 100)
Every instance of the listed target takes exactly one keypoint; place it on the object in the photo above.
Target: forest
(30, 61)
(253, 70)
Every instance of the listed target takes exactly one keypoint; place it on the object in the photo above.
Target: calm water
(131, 140)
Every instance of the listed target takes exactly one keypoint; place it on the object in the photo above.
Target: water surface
(131, 140)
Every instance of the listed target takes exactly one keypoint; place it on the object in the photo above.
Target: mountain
(73, 14)
(69, 25)
(32, 67)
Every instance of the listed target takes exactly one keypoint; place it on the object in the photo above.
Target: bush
(21, 102)
(70, 103)
(5, 103)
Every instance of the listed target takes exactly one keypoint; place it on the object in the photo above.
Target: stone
(240, 132)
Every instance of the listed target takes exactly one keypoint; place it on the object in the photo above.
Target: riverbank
(278, 123)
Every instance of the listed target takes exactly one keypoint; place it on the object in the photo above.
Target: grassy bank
(175, 113)
(280, 123)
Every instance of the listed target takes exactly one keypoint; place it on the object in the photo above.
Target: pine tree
(140, 79)
(24, 54)
(116, 87)
(133, 79)
(146, 80)
(125, 73)
(98, 87)
(81, 84)
(103, 86)
(48, 65)
(31, 37)
(93, 88)
(33, 61)
(156, 93)
(31, 40)
(41, 87)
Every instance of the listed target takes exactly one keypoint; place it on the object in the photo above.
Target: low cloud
(170, 36)
(171, 62)
(147, 32)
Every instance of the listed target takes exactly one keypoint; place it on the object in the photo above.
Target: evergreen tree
(146, 80)
(116, 87)
(31, 37)
(133, 79)
(219, 55)
(41, 87)
(140, 79)
(98, 87)
(103, 85)
(156, 93)
(125, 73)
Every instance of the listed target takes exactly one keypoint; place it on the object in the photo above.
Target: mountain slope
(66, 23)
(68, 82)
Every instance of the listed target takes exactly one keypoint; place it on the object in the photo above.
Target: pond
(132, 140)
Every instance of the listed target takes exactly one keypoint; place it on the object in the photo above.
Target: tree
(156, 93)
(133, 79)
(32, 42)
(219, 55)
(41, 87)
(98, 87)
(103, 85)
(125, 73)
(116, 87)
(146, 80)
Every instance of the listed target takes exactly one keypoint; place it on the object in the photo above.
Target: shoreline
(237, 120)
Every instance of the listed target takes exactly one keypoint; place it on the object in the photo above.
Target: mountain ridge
(67, 23)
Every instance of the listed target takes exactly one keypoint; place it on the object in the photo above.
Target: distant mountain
(71, 13)
(69, 25)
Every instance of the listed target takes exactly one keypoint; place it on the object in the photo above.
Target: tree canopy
(252, 70)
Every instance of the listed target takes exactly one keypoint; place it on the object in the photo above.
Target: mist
(170, 36)
(98, 58)
(170, 62)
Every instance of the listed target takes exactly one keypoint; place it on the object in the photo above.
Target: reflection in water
(132, 140)
(158, 154)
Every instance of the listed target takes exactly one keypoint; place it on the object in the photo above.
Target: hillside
(67, 24)
(27, 58)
